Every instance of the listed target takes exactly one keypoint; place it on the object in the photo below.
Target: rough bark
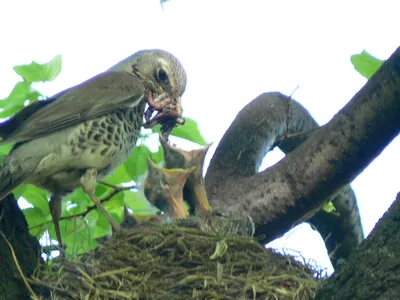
(373, 271)
(276, 120)
(295, 188)
(341, 231)
(26, 248)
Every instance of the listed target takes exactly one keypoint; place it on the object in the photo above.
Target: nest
(173, 262)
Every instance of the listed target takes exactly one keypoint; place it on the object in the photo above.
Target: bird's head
(165, 79)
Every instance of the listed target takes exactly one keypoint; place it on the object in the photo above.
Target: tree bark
(373, 270)
(341, 231)
(297, 187)
(26, 248)
(270, 120)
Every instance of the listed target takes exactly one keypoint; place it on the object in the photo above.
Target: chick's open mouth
(165, 110)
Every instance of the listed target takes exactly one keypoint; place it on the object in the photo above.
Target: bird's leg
(56, 210)
(88, 182)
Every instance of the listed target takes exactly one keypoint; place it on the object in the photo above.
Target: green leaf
(139, 204)
(35, 216)
(115, 206)
(102, 190)
(119, 176)
(99, 225)
(136, 164)
(366, 64)
(103, 227)
(80, 198)
(329, 207)
(157, 157)
(189, 131)
(37, 197)
(17, 96)
(11, 110)
(34, 95)
(20, 190)
(77, 235)
(5, 149)
(35, 72)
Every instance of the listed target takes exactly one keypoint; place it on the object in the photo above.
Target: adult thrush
(81, 134)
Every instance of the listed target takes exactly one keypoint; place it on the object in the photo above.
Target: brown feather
(97, 96)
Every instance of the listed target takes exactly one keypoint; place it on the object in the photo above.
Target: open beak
(194, 192)
(164, 189)
(169, 111)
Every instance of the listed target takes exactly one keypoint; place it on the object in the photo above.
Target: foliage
(366, 64)
(79, 233)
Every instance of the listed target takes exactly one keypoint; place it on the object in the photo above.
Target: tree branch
(26, 248)
(372, 271)
(294, 189)
(115, 191)
(294, 125)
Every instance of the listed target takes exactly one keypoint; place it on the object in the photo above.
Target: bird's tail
(9, 180)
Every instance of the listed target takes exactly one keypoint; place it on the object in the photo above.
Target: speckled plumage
(92, 125)
(102, 143)
(83, 133)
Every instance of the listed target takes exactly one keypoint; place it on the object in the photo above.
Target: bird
(179, 180)
(194, 191)
(164, 189)
(80, 135)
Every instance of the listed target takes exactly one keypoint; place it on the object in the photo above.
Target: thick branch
(15, 232)
(292, 190)
(286, 118)
(341, 231)
(258, 127)
(372, 271)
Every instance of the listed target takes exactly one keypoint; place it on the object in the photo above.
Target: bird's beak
(169, 111)
(164, 189)
(194, 192)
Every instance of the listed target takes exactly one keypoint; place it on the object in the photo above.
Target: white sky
(232, 51)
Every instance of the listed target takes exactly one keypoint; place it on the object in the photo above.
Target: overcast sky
(232, 52)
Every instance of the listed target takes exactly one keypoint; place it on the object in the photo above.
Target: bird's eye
(162, 76)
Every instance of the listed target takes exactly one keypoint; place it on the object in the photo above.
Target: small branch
(49, 248)
(115, 191)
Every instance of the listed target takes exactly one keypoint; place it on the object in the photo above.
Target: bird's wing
(99, 95)
(8, 126)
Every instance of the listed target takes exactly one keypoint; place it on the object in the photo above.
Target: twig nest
(157, 261)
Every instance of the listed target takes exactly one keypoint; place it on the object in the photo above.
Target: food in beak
(169, 112)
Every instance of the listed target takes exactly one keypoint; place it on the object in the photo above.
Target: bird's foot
(88, 182)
